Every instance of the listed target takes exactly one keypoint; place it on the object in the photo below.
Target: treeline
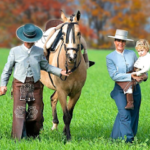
(99, 18)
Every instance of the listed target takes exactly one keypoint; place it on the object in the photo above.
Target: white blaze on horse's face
(72, 41)
(71, 55)
(71, 33)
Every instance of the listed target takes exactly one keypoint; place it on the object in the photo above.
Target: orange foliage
(87, 32)
(106, 16)
(15, 13)
(103, 18)
(134, 20)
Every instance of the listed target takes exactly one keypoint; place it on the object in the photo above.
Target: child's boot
(130, 101)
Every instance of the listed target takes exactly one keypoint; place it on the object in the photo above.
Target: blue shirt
(118, 64)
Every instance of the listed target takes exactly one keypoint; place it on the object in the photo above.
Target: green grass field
(93, 117)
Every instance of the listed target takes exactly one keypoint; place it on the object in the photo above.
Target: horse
(67, 56)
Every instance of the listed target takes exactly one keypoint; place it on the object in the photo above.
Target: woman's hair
(142, 44)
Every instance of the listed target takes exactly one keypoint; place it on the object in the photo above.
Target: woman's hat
(29, 33)
(122, 35)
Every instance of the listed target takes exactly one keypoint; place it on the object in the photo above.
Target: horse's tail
(85, 55)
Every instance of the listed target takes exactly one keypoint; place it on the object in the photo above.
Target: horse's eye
(79, 34)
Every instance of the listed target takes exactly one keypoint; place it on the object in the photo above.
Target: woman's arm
(138, 78)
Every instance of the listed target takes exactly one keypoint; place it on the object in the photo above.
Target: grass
(93, 117)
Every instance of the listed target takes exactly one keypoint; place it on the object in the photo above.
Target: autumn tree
(130, 15)
(99, 18)
(15, 13)
(105, 16)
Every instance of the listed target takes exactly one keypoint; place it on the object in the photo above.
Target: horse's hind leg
(54, 100)
(71, 103)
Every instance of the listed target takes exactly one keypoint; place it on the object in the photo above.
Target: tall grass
(93, 117)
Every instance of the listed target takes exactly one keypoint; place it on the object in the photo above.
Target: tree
(98, 13)
(130, 16)
(105, 16)
(15, 13)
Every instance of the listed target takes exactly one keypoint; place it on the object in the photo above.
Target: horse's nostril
(70, 59)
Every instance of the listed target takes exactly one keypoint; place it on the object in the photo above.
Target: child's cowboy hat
(29, 33)
(122, 35)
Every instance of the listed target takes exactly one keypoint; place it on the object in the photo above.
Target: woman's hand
(139, 78)
(144, 77)
(63, 72)
(3, 90)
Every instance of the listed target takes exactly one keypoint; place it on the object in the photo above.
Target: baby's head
(142, 47)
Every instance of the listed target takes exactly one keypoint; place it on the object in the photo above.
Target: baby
(141, 66)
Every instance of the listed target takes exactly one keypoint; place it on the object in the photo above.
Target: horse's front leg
(62, 96)
(54, 99)
(71, 103)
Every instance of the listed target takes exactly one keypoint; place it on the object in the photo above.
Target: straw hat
(29, 33)
(122, 35)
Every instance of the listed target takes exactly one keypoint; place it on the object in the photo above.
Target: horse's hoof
(54, 127)
(69, 139)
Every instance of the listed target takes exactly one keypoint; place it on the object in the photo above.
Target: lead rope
(72, 70)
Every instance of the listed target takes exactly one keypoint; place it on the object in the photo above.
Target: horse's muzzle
(71, 58)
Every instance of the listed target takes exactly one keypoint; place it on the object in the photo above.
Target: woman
(27, 61)
(119, 63)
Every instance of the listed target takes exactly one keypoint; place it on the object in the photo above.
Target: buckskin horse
(67, 56)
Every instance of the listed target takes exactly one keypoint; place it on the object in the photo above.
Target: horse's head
(71, 36)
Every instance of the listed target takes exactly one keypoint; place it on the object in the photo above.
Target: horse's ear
(78, 15)
(63, 17)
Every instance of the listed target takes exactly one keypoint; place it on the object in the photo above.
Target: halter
(69, 29)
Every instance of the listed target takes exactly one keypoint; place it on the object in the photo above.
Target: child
(141, 66)
(27, 61)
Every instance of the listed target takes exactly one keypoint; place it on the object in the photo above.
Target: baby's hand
(134, 73)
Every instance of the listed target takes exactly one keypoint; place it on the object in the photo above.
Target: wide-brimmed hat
(122, 35)
(29, 33)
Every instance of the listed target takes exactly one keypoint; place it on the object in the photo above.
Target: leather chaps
(27, 114)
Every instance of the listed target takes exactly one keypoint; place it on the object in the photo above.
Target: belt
(29, 79)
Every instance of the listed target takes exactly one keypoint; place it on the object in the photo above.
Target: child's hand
(63, 72)
(134, 73)
(3, 90)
